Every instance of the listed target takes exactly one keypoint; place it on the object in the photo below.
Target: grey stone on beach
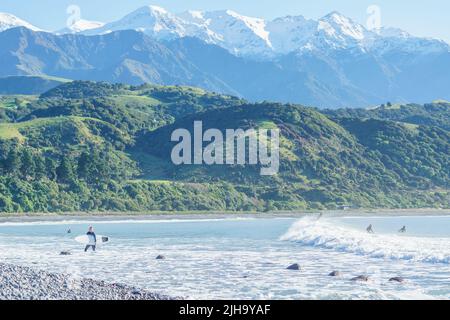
(335, 274)
(136, 292)
(295, 267)
(361, 278)
(23, 283)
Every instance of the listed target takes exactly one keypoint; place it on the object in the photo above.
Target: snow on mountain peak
(152, 20)
(257, 25)
(237, 33)
(338, 25)
(157, 9)
(290, 33)
(193, 15)
(148, 15)
(393, 33)
(80, 26)
(8, 21)
(150, 10)
(393, 39)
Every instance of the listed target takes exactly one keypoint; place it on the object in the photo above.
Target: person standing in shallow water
(92, 240)
(370, 229)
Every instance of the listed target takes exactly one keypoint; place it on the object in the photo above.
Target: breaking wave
(328, 234)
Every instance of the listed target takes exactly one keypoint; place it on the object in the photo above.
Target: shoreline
(25, 283)
(155, 216)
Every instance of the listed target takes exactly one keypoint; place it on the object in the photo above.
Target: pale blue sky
(423, 18)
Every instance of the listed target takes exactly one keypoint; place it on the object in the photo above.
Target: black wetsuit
(91, 245)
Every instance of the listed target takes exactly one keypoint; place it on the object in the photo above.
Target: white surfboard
(84, 239)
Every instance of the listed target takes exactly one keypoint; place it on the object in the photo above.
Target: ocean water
(247, 258)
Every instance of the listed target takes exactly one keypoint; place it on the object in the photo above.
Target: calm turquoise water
(247, 258)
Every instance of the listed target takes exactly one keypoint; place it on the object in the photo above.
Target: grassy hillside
(95, 146)
(365, 163)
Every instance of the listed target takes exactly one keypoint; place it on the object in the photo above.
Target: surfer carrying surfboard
(92, 240)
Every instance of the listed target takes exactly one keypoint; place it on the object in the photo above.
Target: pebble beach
(23, 283)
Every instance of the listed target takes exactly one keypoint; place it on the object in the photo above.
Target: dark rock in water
(397, 279)
(160, 257)
(65, 253)
(361, 278)
(295, 267)
(136, 292)
(335, 274)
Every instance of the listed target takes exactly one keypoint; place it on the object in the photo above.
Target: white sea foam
(328, 234)
(233, 260)
(120, 221)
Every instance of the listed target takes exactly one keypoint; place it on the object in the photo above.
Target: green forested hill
(431, 114)
(94, 146)
(360, 162)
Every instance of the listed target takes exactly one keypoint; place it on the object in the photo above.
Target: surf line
(238, 147)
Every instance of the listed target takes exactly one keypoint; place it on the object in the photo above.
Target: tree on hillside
(40, 168)
(84, 168)
(64, 171)
(12, 162)
(27, 166)
(50, 168)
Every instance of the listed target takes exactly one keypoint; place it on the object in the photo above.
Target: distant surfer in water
(370, 229)
(92, 239)
(402, 230)
(69, 231)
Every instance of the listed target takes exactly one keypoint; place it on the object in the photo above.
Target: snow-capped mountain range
(8, 21)
(329, 62)
(248, 36)
(252, 37)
